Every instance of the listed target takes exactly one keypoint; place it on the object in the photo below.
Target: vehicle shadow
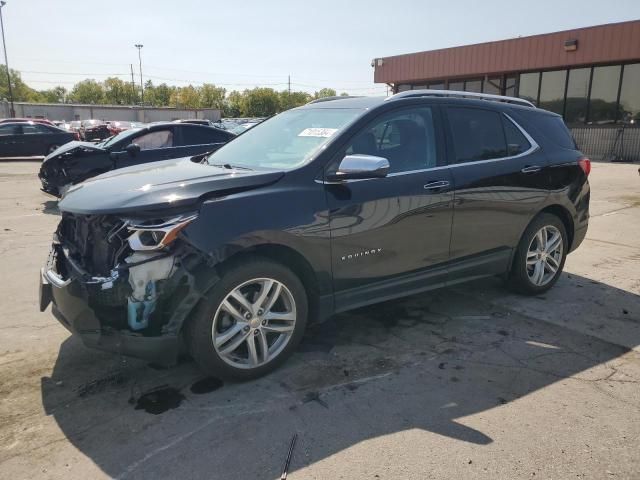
(424, 362)
(50, 207)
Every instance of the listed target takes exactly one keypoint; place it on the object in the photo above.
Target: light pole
(139, 47)
(6, 62)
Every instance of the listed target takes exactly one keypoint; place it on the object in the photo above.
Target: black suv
(320, 209)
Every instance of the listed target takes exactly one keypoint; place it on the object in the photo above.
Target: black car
(22, 139)
(75, 162)
(318, 210)
(94, 130)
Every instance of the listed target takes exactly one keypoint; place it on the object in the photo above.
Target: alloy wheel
(254, 323)
(544, 255)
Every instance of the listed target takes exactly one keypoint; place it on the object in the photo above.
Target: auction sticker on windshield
(317, 132)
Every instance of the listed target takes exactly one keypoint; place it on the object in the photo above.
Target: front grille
(95, 242)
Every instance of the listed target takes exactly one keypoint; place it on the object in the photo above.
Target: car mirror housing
(133, 149)
(357, 167)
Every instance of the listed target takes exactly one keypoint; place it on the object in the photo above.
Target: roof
(347, 102)
(610, 43)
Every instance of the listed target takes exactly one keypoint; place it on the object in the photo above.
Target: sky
(248, 43)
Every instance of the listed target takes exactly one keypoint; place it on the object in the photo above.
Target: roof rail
(455, 93)
(328, 99)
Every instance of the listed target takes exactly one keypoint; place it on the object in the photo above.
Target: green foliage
(325, 92)
(116, 92)
(257, 102)
(88, 91)
(260, 102)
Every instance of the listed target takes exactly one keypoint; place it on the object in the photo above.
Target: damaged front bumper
(106, 313)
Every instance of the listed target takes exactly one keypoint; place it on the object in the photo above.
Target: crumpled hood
(74, 145)
(168, 184)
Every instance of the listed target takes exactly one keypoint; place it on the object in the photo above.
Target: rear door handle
(437, 185)
(531, 169)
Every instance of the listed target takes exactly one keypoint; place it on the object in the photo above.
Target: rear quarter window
(553, 128)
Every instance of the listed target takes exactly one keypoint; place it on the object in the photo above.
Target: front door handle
(437, 185)
(531, 169)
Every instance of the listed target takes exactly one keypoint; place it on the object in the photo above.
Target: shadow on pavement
(424, 362)
(50, 207)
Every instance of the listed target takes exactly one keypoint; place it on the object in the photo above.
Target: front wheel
(540, 256)
(251, 322)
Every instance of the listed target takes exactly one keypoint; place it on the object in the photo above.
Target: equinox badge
(364, 253)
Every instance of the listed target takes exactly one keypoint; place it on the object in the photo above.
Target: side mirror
(133, 149)
(353, 167)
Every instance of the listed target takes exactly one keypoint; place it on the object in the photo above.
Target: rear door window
(477, 134)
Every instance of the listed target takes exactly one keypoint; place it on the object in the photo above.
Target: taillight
(585, 165)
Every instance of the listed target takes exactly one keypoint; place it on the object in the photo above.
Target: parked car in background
(93, 130)
(243, 127)
(78, 161)
(44, 121)
(320, 209)
(74, 126)
(118, 126)
(196, 121)
(23, 139)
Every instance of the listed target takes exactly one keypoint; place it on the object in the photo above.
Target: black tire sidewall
(198, 330)
(518, 278)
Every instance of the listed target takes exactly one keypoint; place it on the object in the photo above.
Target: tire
(248, 278)
(51, 149)
(532, 273)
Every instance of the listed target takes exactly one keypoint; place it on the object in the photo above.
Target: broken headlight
(156, 234)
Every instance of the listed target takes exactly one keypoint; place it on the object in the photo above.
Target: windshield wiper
(229, 166)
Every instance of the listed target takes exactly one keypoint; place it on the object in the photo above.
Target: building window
(473, 86)
(419, 87)
(436, 86)
(630, 94)
(404, 88)
(493, 86)
(552, 91)
(577, 95)
(510, 85)
(457, 86)
(604, 94)
(528, 88)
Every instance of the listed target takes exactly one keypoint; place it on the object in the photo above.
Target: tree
(233, 104)
(344, 94)
(293, 99)
(21, 91)
(325, 92)
(211, 96)
(116, 91)
(54, 95)
(260, 102)
(87, 91)
(162, 95)
(185, 97)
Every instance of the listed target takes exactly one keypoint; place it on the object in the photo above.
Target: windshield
(122, 135)
(287, 140)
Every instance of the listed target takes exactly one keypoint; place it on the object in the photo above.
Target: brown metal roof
(615, 42)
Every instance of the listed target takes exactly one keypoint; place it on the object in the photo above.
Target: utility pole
(132, 98)
(139, 47)
(6, 62)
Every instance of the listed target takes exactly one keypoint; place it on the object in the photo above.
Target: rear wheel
(540, 256)
(252, 321)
